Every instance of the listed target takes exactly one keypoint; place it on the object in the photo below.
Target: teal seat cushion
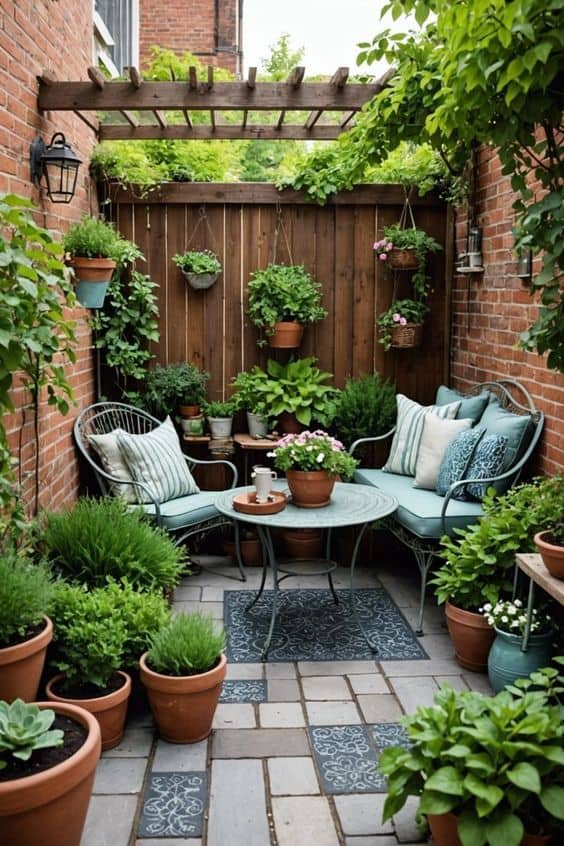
(470, 407)
(420, 510)
(187, 510)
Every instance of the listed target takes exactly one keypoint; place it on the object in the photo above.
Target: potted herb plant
(25, 630)
(48, 758)
(200, 268)
(485, 770)
(167, 387)
(250, 397)
(312, 462)
(408, 249)
(282, 299)
(183, 671)
(550, 545)
(401, 325)
(220, 418)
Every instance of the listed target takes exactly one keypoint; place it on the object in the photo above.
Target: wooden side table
(247, 444)
(531, 564)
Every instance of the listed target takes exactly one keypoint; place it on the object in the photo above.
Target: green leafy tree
(283, 58)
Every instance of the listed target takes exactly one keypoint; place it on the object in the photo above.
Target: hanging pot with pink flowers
(401, 326)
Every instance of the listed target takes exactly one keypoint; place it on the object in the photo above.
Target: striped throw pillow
(157, 460)
(409, 429)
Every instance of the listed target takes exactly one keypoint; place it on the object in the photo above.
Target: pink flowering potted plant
(312, 461)
(401, 326)
(407, 248)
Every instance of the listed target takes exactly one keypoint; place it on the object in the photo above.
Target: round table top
(351, 505)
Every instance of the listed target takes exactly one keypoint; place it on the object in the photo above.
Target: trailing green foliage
(25, 592)
(100, 539)
(480, 559)
(190, 644)
(365, 407)
(168, 386)
(298, 388)
(497, 763)
(283, 292)
(198, 261)
(25, 728)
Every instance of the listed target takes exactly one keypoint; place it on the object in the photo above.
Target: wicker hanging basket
(407, 336)
(403, 259)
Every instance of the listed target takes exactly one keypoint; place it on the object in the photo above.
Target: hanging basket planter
(200, 281)
(403, 259)
(407, 337)
(93, 275)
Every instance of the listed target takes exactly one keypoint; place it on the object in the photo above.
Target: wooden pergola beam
(296, 77)
(97, 77)
(192, 78)
(187, 117)
(130, 118)
(135, 77)
(162, 121)
(181, 132)
(339, 80)
(251, 78)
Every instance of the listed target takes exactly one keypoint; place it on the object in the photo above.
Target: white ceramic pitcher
(263, 478)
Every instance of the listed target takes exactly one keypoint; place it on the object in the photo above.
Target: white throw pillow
(437, 435)
(157, 460)
(409, 428)
(113, 463)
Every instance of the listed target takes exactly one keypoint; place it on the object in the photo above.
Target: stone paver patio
(292, 758)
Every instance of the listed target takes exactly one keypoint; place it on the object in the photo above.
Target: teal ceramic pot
(507, 662)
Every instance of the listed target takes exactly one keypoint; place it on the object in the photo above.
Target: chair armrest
(354, 445)
(228, 464)
(141, 485)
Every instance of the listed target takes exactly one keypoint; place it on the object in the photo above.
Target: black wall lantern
(58, 163)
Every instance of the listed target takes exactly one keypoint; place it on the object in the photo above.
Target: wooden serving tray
(247, 503)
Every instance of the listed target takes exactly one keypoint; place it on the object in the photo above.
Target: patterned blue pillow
(456, 460)
(487, 461)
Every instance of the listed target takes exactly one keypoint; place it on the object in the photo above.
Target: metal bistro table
(351, 505)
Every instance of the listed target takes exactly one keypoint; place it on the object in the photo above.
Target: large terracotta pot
(551, 554)
(288, 424)
(21, 666)
(310, 488)
(472, 637)
(109, 710)
(303, 543)
(189, 410)
(444, 828)
(183, 706)
(287, 335)
(251, 551)
(536, 839)
(49, 808)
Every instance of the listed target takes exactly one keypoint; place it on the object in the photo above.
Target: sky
(328, 29)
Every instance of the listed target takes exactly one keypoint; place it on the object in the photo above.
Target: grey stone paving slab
(432, 667)
(478, 682)
(292, 777)
(243, 690)
(332, 713)
(369, 683)
(237, 716)
(303, 820)
(456, 682)
(438, 646)
(169, 841)
(341, 668)
(280, 670)
(283, 690)
(385, 840)
(180, 757)
(326, 687)
(187, 593)
(213, 608)
(379, 707)
(346, 759)
(245, 671)
(404, 823)
(259, 743)
(173, 805)
(237, 812)
(404, 592)
(281, 715)
(413, 692)
(362, 814)
(109, 821)
(433, 621)
(119, 775)
(212, 594)
(136, 743)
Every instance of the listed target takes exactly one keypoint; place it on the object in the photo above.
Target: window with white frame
(116, 34)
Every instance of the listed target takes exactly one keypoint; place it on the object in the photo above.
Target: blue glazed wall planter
(507, 662)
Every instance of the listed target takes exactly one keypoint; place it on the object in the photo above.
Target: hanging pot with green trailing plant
(200, 268)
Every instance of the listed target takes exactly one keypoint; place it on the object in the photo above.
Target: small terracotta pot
(251, 551)
(552, 555)
(287, 335)
(288, 424)
(21, 666)
(310, 489)
(93, 269)
(189, 410)
(303, 543)
(444, 828)
(536, 839)
(472, 637)
(403, 259)
(183, 706)
(109, 710)
(49, 808)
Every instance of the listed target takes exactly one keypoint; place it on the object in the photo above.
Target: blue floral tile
(310, 627)
(346, 759)
(173, 805)
(389, 734)
(244, 690)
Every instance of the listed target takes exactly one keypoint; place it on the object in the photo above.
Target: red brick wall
(37, 35)
(490, 310)
(195, 26)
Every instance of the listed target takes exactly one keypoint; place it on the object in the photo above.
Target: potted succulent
(282, 299)
(220, 418)
(486, 770)
(200, 268)
(167, 387)
(506, 660)
(250, 397)
(550, 545)
(401, 325)
(25, 630)
(407, 249)
(312, 462)
(183, 671)
(48, 758)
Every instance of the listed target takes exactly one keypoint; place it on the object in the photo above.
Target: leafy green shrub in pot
(496, 763)
(198, 261)
(299, 388)
(218, 409)
(102, 539)
(250, 392)
(365, 407)
(284, 293)
(168, 386)
(93, 237)
(190, 644)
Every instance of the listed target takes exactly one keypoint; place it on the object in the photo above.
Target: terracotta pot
(287, 335)
(288, 424)
(189, 410)
(93, 275)
(303, 543)
(536, 839)
(310, 489)
(251, 551)
(444, 828)
(551, 554)
(471, 636)
(109, 710)
(21, 666)
(183, 706)
(49, 808)
(403, 259)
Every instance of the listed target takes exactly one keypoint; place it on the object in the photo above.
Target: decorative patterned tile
(310, 627)
(244, 690)
(389, 734)
(173, 805)
(346, 759)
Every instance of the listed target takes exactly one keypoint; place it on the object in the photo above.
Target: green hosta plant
(25, 593)
(497, 763)
(284, 293)
(190, 644)
(25, 728)
(299, 388)
(198, 261)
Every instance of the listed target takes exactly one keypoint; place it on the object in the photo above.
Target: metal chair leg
(424, 561)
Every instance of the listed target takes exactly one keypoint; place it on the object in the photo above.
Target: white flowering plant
(510, 616)
(313, 451)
